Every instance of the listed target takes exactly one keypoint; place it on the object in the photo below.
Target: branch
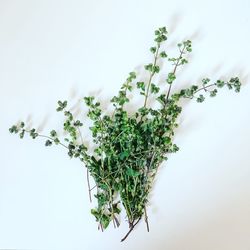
(175, 68)
(205, 87)
(151, 76)
(48, 137)
(131, 229)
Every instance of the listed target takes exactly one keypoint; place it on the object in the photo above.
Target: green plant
(128, 149)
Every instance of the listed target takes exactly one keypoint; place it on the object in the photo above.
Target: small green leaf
(213, 93)
(163, 54)
(61, 105)
(149, 67)
(21, 135)
(105, 220)
(13, 129)
(56, 141)
(200, 99)
(95, 213)
(205, 81)
(141, 85)
(124, 155)
(153, 49)
(131, 172)
(22, 124)
(53, 133)
(156, 69)
(78, 123)
(171, 78)
(48, 143)
(154, 89)
(88, 100)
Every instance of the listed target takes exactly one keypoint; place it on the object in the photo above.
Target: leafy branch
(129, 148)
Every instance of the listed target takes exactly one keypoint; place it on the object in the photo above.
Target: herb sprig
(128, 149)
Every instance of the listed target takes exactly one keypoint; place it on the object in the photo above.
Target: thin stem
(146, 218)
(151, 76)
(93, 187)
(130, 230)
(88, 181)
(48, 137)
(100, 226)
(174, 71)
(90, 199)
(205, 87)
(116, 221)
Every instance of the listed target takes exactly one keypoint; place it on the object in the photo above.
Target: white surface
(52, 50)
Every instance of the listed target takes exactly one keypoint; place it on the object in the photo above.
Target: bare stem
(146, 218)
(130, 230)
(48, 137)
(204, 88)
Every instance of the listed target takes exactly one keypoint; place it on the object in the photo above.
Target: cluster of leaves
(128, 149)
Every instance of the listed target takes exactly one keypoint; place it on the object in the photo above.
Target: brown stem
(116, 221)
(100, 227)
(146, 218)
(131, 223)
(130, 230)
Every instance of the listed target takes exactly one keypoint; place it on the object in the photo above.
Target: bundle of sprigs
(129, 148)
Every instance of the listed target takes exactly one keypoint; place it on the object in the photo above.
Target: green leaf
(56, 141)
(161, 99)
(153, 49)
(200, 99)
(156, 69)
(22, 124)
(21, 135)
(88, 100)
(213, 92)
(140, 85)
(53, 133)
(131, 172)
(116, 209)
(188, 45)
(205, 81)
(105, 220)
(13, 129)
(184, 61)
(48, 143)
(154, 89)
(163, 30)
(124, 155)
(102, 199)
(171, 78)
(163, 54)
(149, 67)
(132, 75)
(95, 213)
(78, 123)
(61, 105)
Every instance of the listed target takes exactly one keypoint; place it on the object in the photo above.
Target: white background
(52, 50)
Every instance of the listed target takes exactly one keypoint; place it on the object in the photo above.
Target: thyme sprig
(128, 149)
